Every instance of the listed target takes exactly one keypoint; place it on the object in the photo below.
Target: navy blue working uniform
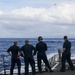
(29, 51)
(67, 55)
(14, 59)
(41, 47)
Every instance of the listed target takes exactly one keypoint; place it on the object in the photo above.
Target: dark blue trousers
(32, 63)
(68, 58)
(13, 61)
(42, 56)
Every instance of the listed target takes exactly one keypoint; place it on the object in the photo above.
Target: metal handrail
(52, 60)
(56, 58)
(59, 53)
(2, 56)
(4, 63)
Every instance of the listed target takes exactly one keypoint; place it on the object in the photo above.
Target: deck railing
(55, 58)
(3, 64)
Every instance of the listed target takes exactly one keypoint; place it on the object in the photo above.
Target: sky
(33, 18)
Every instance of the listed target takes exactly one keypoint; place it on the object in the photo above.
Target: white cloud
(63, 13)
(1, 12)
(54, 21)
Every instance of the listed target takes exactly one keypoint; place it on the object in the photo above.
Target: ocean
(53, 45)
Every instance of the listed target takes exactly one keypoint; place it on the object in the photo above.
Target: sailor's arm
(36, 47)
(33, 48)
(20, 53)
(8, 51)
(64, 49)
(45, 47)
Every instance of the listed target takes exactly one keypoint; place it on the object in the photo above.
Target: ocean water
(53, 45)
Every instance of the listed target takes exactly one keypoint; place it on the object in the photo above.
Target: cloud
(52, 21)
(1, 12)
(63, 13)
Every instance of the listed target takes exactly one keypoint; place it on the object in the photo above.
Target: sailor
(29, 51)
(66, 54)
(41, 47)
(15, 52)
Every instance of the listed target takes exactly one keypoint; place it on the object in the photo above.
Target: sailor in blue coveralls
(29, 51)
(66, 54)
(15, 52)
(41, 47)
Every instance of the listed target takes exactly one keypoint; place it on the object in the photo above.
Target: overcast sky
(32, 18)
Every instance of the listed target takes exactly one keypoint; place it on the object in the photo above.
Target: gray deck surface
(67, 72)
(58, 73)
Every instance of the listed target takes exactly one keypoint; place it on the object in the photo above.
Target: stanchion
(59, 53)
(4, 65)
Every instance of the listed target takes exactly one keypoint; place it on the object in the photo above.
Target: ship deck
(57, 72)
(68, 72)
(54, 62)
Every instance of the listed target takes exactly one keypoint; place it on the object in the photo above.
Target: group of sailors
(28, 51)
